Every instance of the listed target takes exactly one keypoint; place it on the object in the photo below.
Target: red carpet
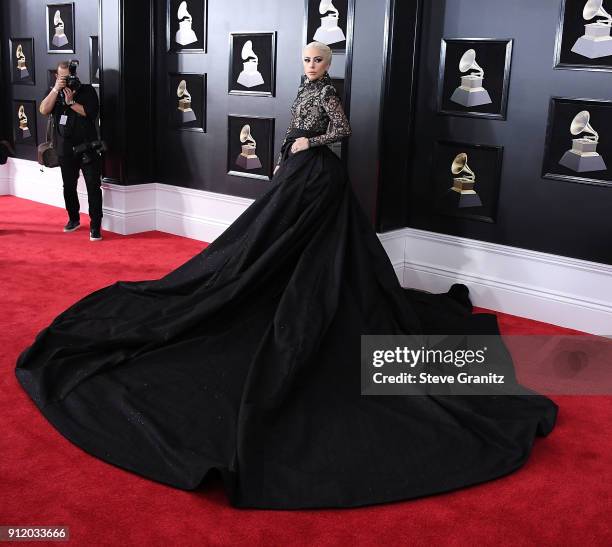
(562, 496)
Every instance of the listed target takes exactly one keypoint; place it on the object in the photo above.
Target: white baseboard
(29, 180)
(196, 214)
(554, 289)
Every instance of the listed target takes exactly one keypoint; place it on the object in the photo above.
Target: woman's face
(314, 63)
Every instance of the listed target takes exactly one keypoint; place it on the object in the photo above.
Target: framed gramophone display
(24, 122)
(584, 35)
(187, 101)
(466, 179)
(186, 26)
(21, 51)
(329, 21)
(250, 146)
(60, 28)
(473, 77)
(579, 141)
(252, 63)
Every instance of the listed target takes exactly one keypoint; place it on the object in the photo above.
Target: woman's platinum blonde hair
(322, 48)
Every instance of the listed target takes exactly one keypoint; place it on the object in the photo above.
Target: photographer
(75, 107)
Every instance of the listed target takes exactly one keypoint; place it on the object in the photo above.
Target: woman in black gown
(245, 360)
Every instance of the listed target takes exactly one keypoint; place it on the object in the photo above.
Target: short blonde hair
(322, 48)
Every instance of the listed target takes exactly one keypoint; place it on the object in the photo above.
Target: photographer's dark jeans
(70, 166)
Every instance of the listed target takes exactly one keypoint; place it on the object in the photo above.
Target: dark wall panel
(397, 104)
(5, 129)
(198, 160)
(127, 90)
(133, 91)
(27, 18)
(112, 115)
(563, 218)
(367, 75)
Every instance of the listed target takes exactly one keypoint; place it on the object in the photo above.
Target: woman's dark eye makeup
(317, 59)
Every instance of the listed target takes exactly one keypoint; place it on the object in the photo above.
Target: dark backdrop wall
(134, 87)
(5, 132)
(27, 19)
(5, 120)
(391, 73)
(559, 217)
(199, 159)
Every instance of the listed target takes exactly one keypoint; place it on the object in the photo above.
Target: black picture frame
(312, 22)
(30, 111)
(497, 53)
(17, 75)
(94, 61)
(559, 140)
(196, 87)
(262, 130)
(198, 10)
(51, 77)
(486, 163)
(264, 46)
(67, 14)
(570, 28)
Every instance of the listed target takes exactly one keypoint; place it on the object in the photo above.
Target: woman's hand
(300, 144)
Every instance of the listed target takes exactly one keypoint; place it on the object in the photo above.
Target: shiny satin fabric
(245, 360)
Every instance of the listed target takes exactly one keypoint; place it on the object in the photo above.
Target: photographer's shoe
(72, 225)
(94, 234)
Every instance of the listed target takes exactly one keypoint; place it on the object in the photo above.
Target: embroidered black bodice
(317, 107)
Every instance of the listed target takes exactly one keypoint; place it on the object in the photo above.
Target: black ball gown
(244, 362)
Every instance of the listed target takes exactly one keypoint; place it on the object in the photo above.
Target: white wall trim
(554, 289)
(187, 212)
(559, 290)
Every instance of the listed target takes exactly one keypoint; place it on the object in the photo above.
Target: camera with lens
(90, 151)
(72, 80)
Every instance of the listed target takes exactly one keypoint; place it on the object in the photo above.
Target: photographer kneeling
(75, 107)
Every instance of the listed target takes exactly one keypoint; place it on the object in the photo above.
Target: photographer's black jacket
(78, 129)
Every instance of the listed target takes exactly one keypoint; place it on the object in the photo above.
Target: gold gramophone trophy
(185, 34)
(462, 192)
(596, 41)
(23, 123)
(247, 159)
(59, 39)
(185, 113)
(329, 32)
(21, 63)
(583, 155)
(470, 92)
(250, 75)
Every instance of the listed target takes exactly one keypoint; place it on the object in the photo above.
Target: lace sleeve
(339, 126)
